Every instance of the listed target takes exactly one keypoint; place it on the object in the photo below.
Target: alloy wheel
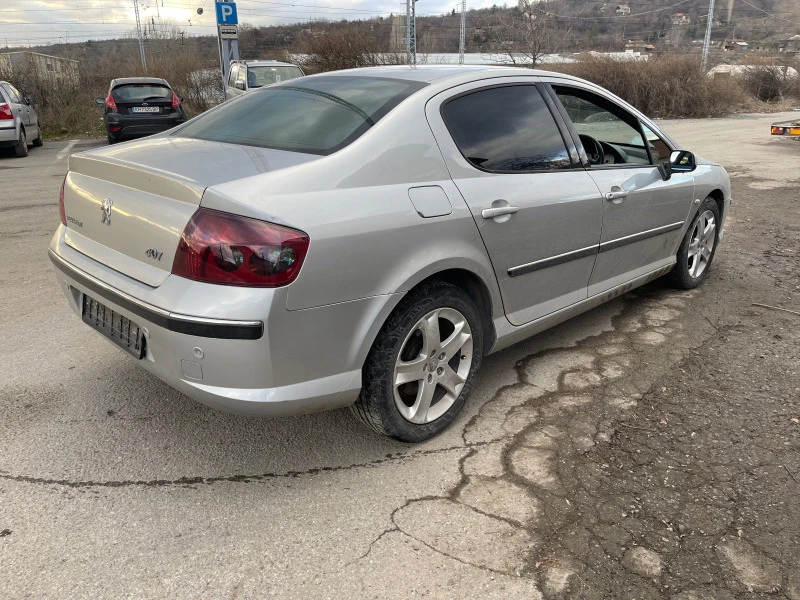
(433, 365)
(701, 244)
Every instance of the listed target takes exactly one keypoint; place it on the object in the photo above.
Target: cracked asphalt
(647, 449)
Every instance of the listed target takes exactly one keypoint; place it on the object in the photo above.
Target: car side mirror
(682, 161)
(30, 101)
(239, 85)
(100, 100)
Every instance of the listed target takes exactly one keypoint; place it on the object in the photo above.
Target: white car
(246, 75)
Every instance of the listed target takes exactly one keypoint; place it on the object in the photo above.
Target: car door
(643, 214)
(23, 108)
(538, 211)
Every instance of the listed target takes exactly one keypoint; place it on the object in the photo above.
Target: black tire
(112, 140)
(375, 406)
(681, 276)
(21, 149)
(39, 142)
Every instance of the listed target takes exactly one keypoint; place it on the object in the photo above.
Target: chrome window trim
(559, 259)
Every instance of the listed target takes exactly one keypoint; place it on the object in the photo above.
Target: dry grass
(664, 86)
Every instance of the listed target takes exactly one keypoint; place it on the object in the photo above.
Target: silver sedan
(364, 238)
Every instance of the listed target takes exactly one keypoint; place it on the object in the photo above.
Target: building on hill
(640, 46)
(45, 66)
(735, 46)
(791, 44)
(680, 19)
(623, 10)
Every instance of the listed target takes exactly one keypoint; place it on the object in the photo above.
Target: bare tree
(521, 37)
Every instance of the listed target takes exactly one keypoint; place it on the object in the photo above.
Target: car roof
(431, 73)
(264, 62)
(125, 80)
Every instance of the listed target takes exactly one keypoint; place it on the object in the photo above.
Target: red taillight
(777, 131)
(176, 102)
(218, 247)
(110, 102)
(61, 210)
(5, 112)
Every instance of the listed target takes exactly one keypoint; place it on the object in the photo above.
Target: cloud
(38, 22)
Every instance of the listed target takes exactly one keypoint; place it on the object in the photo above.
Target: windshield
(140, 92)
(266, 75)
(314, 115)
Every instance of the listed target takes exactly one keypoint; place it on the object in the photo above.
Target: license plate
(145, 109)
(120, 330)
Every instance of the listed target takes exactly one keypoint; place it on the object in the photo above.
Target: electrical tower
(413, 33)
(462, 44)
(139, 33)
(707, 41)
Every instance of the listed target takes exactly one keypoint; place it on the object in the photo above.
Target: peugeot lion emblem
(105, 208)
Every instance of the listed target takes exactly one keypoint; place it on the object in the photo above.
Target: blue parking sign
(226, 13)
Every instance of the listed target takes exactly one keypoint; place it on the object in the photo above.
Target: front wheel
(698, 247)
(422, 367)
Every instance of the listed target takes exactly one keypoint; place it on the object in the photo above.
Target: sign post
(228, 37)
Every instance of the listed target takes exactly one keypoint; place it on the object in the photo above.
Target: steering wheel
(594, 151)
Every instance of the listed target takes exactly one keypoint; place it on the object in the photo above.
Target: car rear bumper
(264, 360)
(140, 125)
(9, 136)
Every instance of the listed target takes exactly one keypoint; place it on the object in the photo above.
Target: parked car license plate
(145, 109)
(120, 330)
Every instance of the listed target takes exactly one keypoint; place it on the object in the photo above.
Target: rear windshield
(141, 92)
(260, 76)
(314, 115)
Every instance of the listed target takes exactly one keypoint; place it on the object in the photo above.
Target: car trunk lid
(127, 205)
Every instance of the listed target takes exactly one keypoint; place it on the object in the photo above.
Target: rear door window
(141, 92)
(315, 115)
(506, 129)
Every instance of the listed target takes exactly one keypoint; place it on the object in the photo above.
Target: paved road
(114, 485)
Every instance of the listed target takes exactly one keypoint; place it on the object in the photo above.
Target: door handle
(498, 211)
(617, 194)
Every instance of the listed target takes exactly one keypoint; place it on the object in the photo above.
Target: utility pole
(707, 41)
(139, 33)
(408, 30)
(413, 32)
(463, 40)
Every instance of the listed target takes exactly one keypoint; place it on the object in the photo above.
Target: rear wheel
(21, 149)
(422, 367)
(112, 140)
(698, 247)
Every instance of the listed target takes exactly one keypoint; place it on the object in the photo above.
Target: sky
(40, 22)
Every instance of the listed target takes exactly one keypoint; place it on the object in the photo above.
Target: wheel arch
(486, 299)
(718, 197)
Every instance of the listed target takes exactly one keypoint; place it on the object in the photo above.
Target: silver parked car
(19, 123)
(366, 237)
(247, 75)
